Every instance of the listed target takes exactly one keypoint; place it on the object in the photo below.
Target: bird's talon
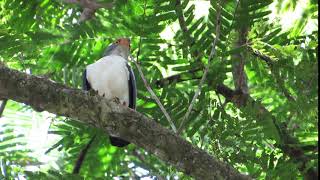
(93, 92)
(116, 100)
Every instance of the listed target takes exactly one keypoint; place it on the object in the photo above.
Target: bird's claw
(93, 92)
(116, 100)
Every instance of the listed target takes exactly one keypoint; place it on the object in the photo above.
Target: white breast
(109, 76)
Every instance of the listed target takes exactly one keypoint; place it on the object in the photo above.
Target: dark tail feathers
(118, 142)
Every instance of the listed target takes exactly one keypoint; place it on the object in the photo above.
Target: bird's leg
(93, 92)
(116, 100)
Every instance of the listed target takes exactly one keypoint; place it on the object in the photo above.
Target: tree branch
(239, 59)
(278, 80)
(115, 119)
(294, 152)
(3, 105)
(184, 76)
(154, 96)
(89, 7)
(82, 156)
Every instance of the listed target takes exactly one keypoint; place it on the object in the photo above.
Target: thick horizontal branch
(43, 94)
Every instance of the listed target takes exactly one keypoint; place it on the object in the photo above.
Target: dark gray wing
(132, 88)
(116, 141)
(85, 84)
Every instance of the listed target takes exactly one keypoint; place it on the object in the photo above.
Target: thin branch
(81, 156)
(295, 152)
(263, 57)
(153, 95)
(89, 7)
(191, 73)
(2, 106)
(220, 102)
(269, 62)
(204, 76)
(179, 77)
(139, 48)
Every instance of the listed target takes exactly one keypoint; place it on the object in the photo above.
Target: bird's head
(120, 47)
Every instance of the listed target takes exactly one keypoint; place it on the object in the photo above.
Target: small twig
(153, 95)
(177, 77)
(81, 156)
(220, 102)
(89, 7)
(2, 106)
(270, 62)
(139, 49)
(204, 76)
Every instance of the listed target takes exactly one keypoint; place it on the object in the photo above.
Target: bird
(113, 78)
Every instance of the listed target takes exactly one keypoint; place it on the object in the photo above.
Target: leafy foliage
(45, 38)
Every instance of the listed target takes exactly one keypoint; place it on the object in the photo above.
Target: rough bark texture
(239, 59)
(43, 94)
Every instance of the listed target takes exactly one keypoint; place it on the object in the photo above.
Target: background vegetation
(258, 107)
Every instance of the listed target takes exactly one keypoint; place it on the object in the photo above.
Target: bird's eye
(118, 41)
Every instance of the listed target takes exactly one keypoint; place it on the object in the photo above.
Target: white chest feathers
(109, 76)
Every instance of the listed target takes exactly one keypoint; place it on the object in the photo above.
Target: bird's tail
(115, 141)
